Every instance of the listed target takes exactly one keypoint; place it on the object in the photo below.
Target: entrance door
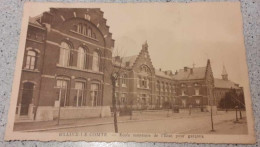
(184, 103)
(26, 97)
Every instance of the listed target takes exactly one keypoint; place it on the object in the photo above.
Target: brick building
(143, 86)
(65, 72)
(65, 54)
(224, 85)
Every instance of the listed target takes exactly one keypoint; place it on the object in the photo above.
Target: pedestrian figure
(236, 113)
(190, 109)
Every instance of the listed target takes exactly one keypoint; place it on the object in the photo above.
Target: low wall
(46, 113)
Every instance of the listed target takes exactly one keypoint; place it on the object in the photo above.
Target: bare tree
(115, 71)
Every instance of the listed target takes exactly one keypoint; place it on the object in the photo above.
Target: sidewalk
(224, 127)
(72, 123)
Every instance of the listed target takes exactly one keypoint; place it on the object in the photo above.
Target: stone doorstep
(105, 123)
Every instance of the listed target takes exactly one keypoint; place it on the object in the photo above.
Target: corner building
(65, 55)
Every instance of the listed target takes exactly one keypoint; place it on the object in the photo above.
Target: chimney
(191, 71)
(185, 68)
(117, 58)
(160, 69)
(176, 72)
(127, 63)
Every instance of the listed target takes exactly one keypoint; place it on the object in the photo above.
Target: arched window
(95, 63)
(81, 58)
(64, 54)
(30, 60)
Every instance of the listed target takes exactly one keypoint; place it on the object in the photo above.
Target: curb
(106, 123)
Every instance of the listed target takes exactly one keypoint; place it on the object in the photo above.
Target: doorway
(27, 96)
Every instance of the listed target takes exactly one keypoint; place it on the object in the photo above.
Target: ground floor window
(62, 85)
(79, 98)
(197, 101)
(123, 99)
(94, 93)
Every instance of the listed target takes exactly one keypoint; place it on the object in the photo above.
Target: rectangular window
(94, 92)
(117, 82)
(183, 92)
(197, 102)
(123, 98)
(79, 97)
(124, 81)
(62, 86)
(197, 92)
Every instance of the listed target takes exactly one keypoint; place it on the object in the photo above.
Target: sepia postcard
(139, 72)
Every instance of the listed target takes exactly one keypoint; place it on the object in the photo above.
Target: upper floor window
(31, 60)
(82, 58)
(166, 87)
(124, 80)
(183, 92)
(162, 86)
(197, 91)
(117, 83)
(64, 54)
(84, 29)
(158, 86)
(87, 17)
(95, 63)
(89, 32)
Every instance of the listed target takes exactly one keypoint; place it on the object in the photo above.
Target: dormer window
(87, 17)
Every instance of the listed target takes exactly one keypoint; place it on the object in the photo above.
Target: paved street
(196, 123)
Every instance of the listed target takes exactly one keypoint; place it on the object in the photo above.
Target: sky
(179, 34)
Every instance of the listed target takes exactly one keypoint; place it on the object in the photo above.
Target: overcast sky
(179, 35)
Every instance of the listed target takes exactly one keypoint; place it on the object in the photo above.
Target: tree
(114, 73)
(232, 99)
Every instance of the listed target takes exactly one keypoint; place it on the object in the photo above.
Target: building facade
(67, 71)
(224, 85)
(143, 86)
(65, 55)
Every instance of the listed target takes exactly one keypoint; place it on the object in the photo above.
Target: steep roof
(129, 59)
(219, 83)
(34, 20)
(162, 74)
(197, 73)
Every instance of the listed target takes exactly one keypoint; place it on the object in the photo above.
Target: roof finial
(224, 73)
(145, 45)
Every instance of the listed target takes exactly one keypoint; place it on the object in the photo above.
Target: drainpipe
(41, 72)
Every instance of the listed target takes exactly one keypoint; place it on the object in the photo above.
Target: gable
(143, 59)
